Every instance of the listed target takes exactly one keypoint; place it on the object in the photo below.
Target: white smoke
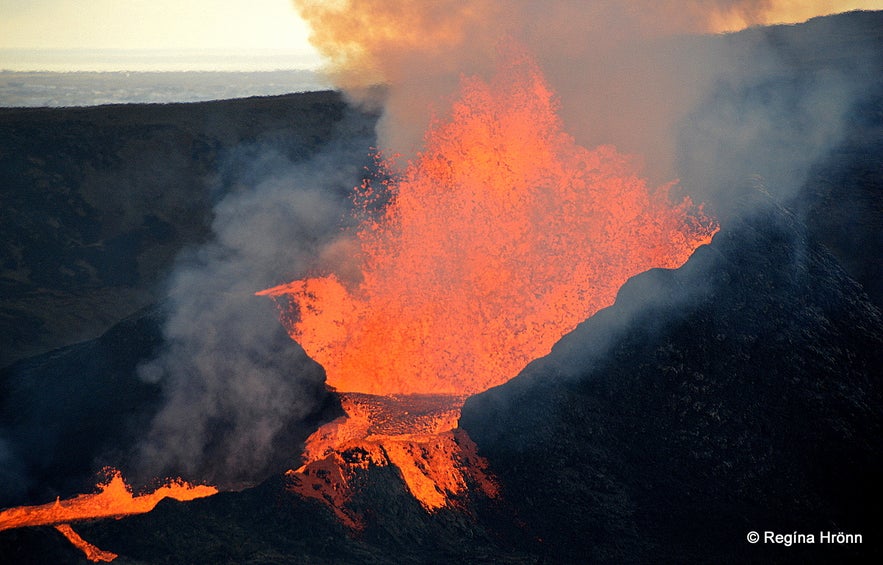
(649, 77)
(237, 388)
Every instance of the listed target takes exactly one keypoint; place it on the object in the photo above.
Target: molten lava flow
(415, 434)
(497, 240)
(92, 553)
(114, 499)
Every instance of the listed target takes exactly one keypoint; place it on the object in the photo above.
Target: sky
(69, 35)
(247, 35)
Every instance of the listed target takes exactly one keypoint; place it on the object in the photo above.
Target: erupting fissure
(496, 240)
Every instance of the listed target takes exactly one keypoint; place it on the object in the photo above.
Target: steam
(637, 75)
(237, 388)
(765, 121)
(724, 115)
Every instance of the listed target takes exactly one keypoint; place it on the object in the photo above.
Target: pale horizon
(155, 60)
(157, 36)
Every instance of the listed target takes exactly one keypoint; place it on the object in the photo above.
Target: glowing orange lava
(416, 434)
(92, 553)
(498, 239)
(113, 499)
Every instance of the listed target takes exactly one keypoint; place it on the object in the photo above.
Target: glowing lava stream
(113, 499)
(416, 434)
(92, 553)
(499, 238)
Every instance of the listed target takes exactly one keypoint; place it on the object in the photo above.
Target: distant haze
(159, 35)
(70, 53)
(48, 89)
(155, 60)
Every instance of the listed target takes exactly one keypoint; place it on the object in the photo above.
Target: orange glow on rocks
(500, 237)
(415, 434)
(113, 499)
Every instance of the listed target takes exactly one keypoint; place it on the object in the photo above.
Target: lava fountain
(496, 240)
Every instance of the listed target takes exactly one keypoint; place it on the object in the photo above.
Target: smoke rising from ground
(237, 389)
(771, 115)
(726, 115)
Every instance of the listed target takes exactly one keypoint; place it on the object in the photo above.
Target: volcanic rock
(98, 201)
(67, 414)
(738, 393)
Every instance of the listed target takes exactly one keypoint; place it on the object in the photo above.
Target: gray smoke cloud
(648, 77)
(778, 104)
(727, 115)
(237, 389)
(740, 120)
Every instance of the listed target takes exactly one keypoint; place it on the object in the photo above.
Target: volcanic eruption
(475, 258)
(459, 265)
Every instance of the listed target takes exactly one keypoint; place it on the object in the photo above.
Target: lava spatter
(499, 238)
(496, 241)
(416, 434)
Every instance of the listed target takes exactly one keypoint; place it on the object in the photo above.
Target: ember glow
(499, 238)
(113, 499)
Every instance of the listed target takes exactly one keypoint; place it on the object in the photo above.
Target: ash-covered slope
(60, 412)
(66, 414)
(738, 393)
(96, 203)
(796, 108)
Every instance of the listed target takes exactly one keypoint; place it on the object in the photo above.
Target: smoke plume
(636, 75)
(237, 389)
(725, 115)
(768, 117)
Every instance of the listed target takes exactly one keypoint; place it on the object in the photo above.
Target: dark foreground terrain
(740, 392)
(97, 202)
